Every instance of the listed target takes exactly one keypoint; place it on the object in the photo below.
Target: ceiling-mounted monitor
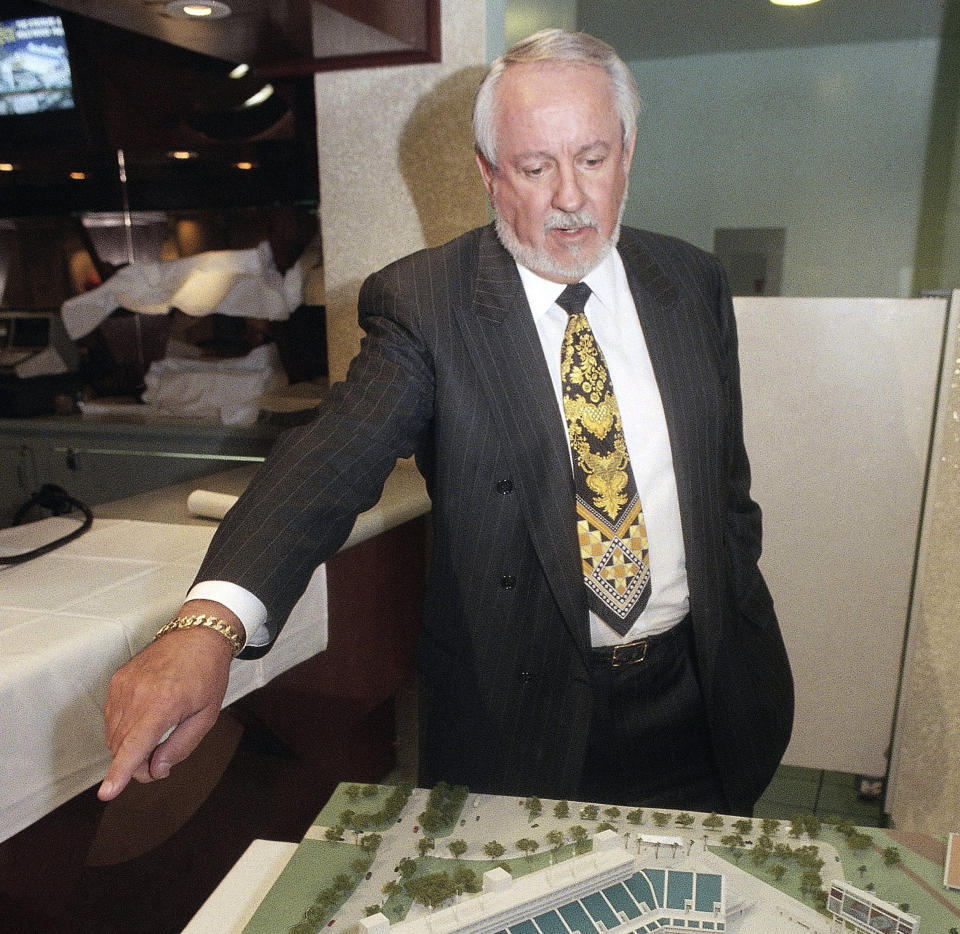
(35, 75)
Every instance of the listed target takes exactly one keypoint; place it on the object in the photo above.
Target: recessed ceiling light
(209, 9)
(7, 166)
(793, 2)
(240, 70)
(263, 94)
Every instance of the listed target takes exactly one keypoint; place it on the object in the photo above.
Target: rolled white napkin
(208, 504)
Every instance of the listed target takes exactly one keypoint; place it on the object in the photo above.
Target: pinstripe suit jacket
(452, 370)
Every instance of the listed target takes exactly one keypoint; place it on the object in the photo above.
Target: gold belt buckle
(629, 653)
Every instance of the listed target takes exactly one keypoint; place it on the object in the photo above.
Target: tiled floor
(792, 790)
(823, 793)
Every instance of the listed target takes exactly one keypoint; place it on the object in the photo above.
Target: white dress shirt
(613, 318)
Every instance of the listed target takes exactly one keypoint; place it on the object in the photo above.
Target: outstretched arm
(174, 686)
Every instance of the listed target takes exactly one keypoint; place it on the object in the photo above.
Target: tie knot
(574, 297)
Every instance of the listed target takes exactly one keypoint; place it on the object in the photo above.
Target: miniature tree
(555, 839)
(352, 792)
(635, 816)
(683, 819)
(811, 824)
(859, 841)
(333, 833)
(589, 812)
(534, 806)
(465, 880)
(743, 826)
(808, 856)
(369, 791)
(527, 846)
(713, 821)
(406, 867)
(782, 850)
(494, 849)
(611, 812)
(578, 834)
(457, 848)
(778, 871)
(661, 819)
(432, 889)
(846, 826)
(810, 881)
(770, 825)
(891, 856)
(425, 845)
(370, 842)
(561, 810)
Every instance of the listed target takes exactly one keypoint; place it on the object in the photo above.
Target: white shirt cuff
(248, 608)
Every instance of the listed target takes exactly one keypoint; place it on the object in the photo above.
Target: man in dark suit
(642, 664)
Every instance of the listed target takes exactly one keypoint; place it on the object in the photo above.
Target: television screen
(34, 67)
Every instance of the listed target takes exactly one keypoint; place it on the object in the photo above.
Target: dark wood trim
(432, 52)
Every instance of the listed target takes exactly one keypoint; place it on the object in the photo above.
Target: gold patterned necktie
(610, 525)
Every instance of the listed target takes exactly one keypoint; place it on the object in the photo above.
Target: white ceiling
(641, 29)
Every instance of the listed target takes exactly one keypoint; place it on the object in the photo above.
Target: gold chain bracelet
(210, 622)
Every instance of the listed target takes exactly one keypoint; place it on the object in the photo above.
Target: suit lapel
(505, 347)
(674, 356)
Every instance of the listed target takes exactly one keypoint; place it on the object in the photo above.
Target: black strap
(59, 502)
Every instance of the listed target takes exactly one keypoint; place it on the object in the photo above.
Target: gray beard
(541, 262)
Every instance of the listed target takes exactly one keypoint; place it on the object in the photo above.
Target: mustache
(567, 220)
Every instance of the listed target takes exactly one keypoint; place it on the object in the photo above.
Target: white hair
(554, 45)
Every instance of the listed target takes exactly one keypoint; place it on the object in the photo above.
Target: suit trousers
(649, 742)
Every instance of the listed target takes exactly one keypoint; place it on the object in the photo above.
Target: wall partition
(840, 399)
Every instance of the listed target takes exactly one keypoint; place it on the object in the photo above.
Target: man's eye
(533, 171)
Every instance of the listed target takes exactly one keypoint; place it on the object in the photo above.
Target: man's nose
(568, 195)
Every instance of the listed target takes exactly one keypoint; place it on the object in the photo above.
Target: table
(232, 905)
(70, 618)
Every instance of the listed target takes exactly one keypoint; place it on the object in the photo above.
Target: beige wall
(396, 165)
(925, 779)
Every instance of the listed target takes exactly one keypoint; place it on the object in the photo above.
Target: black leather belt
(633, 653)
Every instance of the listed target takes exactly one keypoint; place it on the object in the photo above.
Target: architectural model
(383, 860)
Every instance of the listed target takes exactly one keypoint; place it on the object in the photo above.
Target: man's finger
(131, 759)
(182, 741)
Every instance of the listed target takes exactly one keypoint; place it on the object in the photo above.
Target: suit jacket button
(508, 582)
(504, 486)
(526, 676)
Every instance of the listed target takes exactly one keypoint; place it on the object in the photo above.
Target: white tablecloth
(69, 619)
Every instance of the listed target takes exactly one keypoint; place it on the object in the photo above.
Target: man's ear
(487, 172)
